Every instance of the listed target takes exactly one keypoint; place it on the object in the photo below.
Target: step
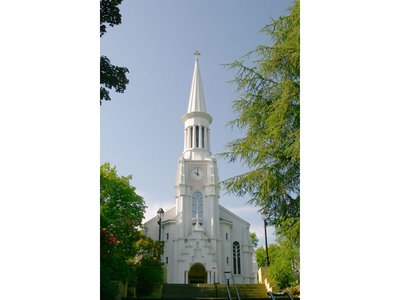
(211, 291)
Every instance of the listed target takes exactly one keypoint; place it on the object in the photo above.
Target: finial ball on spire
(196, 54)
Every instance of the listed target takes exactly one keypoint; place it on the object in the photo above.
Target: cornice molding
(194, 114)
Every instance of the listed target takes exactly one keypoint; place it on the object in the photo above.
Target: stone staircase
(211, 291)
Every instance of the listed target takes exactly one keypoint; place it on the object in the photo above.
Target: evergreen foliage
(269, 112)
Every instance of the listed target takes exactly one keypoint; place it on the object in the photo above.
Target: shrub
(149, 275)
(294, 290)
(108, 288)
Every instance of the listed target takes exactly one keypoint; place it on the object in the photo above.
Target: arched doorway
(197, 274)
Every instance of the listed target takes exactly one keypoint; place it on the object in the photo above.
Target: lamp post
(264, 217)
(160, 215)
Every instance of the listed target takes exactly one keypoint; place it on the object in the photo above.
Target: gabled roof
(233, 215)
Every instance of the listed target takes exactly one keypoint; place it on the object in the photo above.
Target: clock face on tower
(197, 174)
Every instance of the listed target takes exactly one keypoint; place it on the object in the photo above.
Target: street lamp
(160, 215)
(264, 217)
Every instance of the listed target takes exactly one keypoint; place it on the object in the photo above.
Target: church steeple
(196, 120)
(199, 233)
(196, 98)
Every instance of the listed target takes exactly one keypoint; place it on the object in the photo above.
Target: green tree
(121, 215)
(261, 257)
(148, 268)
(282, 270)
(284, 263)
(254, 239)
(269, 113)
(111, 77)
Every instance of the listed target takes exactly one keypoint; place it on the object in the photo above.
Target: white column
(188, 138)
(208, 140)
(185, 139)
(212, 221)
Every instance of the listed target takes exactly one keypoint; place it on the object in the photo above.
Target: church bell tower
(196, 195)
(202, 240)
(197, 198)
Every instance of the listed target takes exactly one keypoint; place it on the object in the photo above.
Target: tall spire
(196, 98)
(196, 120)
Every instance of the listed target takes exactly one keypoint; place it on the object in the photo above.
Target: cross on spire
(196, 54)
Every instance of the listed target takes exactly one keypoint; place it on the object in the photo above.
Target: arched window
(236, 257)
(197, 208)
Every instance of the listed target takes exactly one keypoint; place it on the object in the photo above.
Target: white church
(202, 239)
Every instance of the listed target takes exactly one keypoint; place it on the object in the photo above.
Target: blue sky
(141, 129)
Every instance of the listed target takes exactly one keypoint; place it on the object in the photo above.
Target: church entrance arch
(197, 274)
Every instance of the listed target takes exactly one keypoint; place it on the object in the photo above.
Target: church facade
(203, 241)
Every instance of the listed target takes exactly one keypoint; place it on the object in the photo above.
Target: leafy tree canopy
(121, 214)
(261, 257)
(148, 268)
(269, 113)
(122, 210)
(109, 14)
(111, 77)
(284, 267)
(127, 255)
(254, 239)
